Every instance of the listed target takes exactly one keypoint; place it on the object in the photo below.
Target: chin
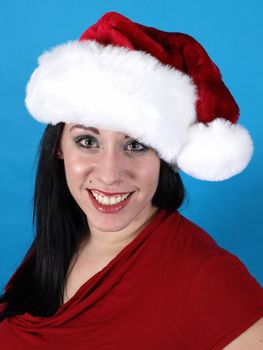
(111, 222)
(121, 220)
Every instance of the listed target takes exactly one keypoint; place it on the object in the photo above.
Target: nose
(110, 168)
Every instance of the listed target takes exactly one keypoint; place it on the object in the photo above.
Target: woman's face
(111, 176)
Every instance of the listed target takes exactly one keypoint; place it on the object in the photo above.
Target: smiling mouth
(107, 200)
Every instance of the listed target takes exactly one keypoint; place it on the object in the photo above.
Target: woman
(114, 265)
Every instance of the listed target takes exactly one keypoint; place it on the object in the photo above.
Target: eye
(136, 146)
(86, 141)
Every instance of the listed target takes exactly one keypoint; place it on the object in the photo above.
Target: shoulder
(196, 236)
(215, 269)
(220, 299)
(223, 298)
(188, 248)
(189, 243)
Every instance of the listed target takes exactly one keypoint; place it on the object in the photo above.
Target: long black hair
(37, 287)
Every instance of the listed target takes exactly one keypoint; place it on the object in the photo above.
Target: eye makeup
(86, 141)
(90, 142)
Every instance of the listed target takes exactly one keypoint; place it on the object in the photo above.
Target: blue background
(231, 31)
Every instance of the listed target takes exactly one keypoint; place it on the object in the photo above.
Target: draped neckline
(93, 288)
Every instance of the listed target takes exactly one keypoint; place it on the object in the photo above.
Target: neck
(110, 243)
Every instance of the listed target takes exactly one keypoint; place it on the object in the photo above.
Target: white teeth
(112, 200)
(106, 200)
(118, 199)
(109, 200)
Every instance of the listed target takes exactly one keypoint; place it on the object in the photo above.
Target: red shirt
(171, 288)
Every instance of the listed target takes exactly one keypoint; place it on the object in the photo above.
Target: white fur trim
(215, 151)
(115, 88)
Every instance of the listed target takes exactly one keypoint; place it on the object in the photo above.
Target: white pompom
(215, 151)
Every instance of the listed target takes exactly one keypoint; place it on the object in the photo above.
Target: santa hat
(158, 87)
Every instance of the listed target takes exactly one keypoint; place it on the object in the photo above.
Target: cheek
(148, 177)
(75, 169)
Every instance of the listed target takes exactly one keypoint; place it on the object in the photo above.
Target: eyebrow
(79, 126)
(95, 130)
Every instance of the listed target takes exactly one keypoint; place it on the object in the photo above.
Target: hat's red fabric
(178, 50)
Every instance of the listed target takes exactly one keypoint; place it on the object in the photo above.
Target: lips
(109, 202)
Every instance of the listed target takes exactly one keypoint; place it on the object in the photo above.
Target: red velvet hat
(158, 87)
